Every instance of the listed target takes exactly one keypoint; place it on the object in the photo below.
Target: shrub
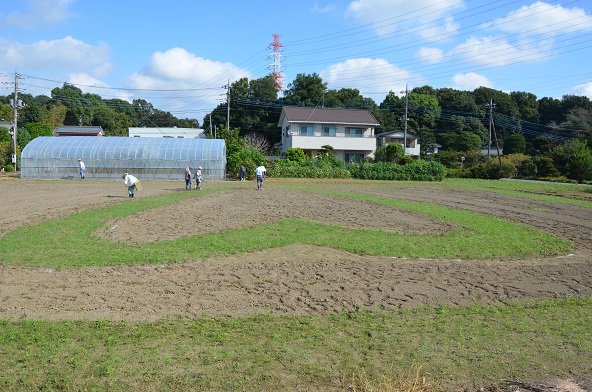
(491, 171)
(419, 171)
(248, 158)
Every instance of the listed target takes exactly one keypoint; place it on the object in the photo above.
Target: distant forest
(436, 116)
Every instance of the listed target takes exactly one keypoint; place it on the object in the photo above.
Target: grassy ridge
(454, 346)
(68, 242)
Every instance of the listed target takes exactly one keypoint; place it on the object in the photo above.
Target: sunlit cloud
(470, 81)
(583, 89)
(422, 17)
(318, 9)
(39, 13)
(543, 18)
(64, 55)
(430, 55)
(378, 77)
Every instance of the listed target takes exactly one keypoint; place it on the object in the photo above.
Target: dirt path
(296, 279)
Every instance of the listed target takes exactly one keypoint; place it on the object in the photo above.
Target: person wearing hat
(198, 177)
(130, 182)
(81, 167)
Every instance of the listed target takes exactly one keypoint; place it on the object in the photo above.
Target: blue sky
(178, 54)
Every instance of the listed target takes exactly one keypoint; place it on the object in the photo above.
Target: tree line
(454, 121)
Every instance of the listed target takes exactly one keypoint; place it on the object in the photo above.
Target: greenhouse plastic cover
(109, 157)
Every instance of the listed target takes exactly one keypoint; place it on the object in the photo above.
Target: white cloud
(583, 89)
(470, 81)
(430, 55)
(177, 68)
(61, 56)
(373, 77)
(180, 70)
(497, 52)
(39, 13)
(318, 9)
(423, 17)
(544, 18)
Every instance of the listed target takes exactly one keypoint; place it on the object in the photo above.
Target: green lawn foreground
(454, 347)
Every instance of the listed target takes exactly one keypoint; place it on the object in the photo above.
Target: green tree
(38, 129)
(527, 104)
(579, 121)
(306, 89)
(467, 141)
(515, 143)
(389, 113)
(392, 152)
(234, 142)
(55, 115)
(263, 89)
(574, 160)
(5, 135)
(79, 108)
(550, 110)
(296, 155)
(246, 157)
(423, 111)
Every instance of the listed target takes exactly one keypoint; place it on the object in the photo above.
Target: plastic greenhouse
(109, 157)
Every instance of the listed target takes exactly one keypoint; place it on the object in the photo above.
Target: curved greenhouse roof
(109, 157)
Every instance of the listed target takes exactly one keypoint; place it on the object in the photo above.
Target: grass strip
(68, 242)
(455, 347)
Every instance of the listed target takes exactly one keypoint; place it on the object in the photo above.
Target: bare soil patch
(297, 279)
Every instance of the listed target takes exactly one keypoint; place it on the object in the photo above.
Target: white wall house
(166, 132)
(412, 147)
(349, 131)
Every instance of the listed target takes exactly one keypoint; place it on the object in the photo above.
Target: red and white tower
(276, 66)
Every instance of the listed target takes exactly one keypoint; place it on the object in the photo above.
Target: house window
(353, 157)
(306, 130)
(329, 131)
(355, 132)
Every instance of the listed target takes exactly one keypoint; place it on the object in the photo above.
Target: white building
(167, 132)
(349, 131)
(412, 147)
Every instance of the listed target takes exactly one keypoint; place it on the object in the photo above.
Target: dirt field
(296, 279)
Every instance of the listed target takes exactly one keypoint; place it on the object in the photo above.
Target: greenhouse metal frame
(109, 157)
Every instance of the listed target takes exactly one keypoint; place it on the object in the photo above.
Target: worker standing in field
(198, 178)
(81, 168)
(260, 172)
(131, 182)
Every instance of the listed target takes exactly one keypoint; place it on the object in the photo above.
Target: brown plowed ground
(298, 279)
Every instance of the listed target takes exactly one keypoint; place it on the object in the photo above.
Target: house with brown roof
(74, 130)
(349, 131)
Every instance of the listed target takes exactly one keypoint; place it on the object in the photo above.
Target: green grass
(454, 346)
(68, 242)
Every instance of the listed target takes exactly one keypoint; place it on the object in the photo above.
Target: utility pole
(490, 127)
(228, 106)
(16, 105)
(405, 119)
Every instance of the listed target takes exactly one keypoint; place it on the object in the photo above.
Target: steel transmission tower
(276, 65)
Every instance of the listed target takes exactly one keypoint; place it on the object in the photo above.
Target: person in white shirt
(260, 172)
(81, 167)
(130, 182)
(198, 178)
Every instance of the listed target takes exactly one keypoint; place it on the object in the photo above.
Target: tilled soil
(297, 279)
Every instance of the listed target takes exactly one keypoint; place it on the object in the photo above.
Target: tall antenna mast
(276, 65)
